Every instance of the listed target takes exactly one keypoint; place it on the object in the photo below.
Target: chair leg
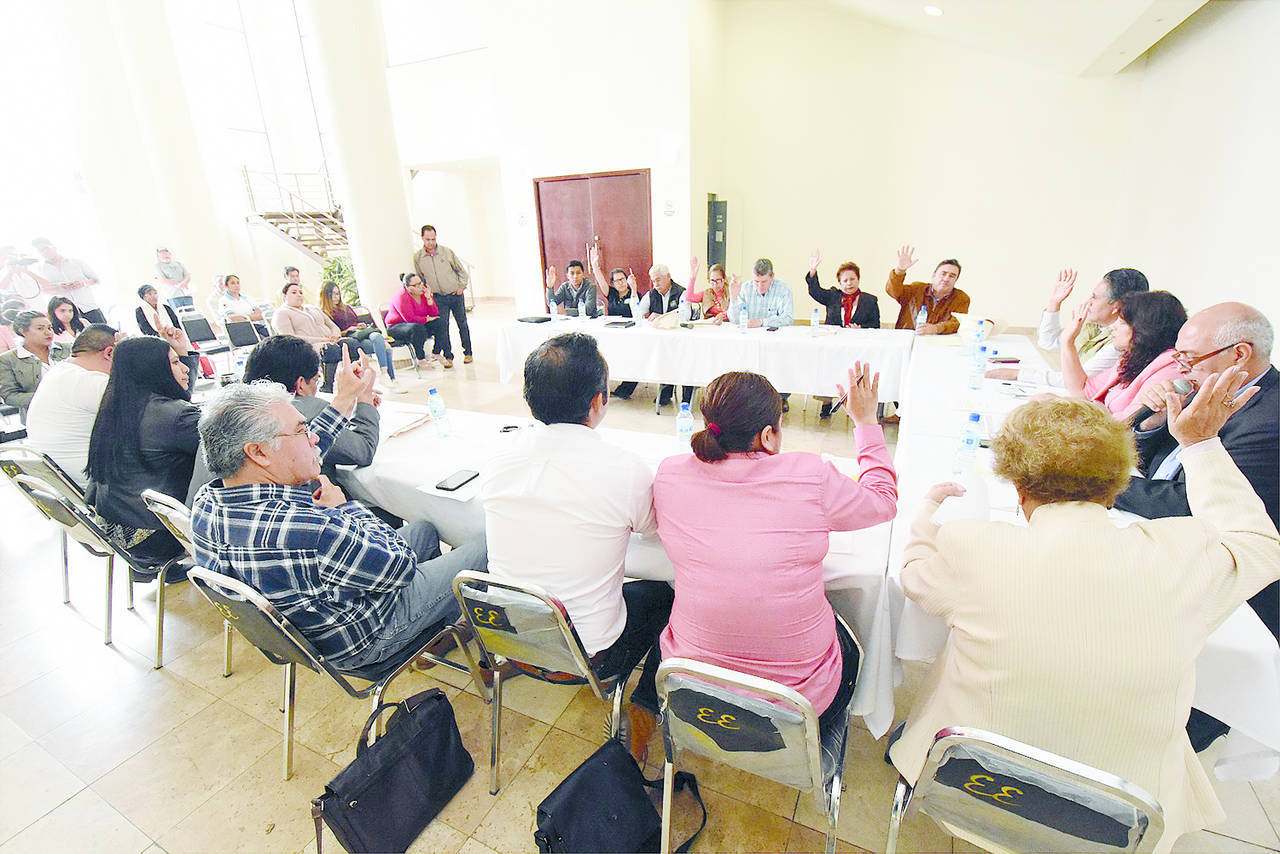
(226, 653)
(495, 734)
(106, 631)
(160, 621)
(668, 796)
(615, 717)
(66, 571)
(284, 694)
(833, 811)
(901, 797)
(290, 682)
(128, 588)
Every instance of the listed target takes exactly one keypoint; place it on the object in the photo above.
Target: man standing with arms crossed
(447, 278)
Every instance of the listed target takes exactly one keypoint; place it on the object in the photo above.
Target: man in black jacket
(1211, 341)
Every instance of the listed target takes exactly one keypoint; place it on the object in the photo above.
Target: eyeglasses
(1187, 362)
(304, 429)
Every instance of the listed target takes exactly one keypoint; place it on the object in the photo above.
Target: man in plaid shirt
(358, 590)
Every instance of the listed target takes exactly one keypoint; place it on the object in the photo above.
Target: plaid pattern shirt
(775, 307)
(334, 572)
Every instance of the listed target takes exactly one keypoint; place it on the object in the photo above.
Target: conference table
(796, 359)
(1238, 673)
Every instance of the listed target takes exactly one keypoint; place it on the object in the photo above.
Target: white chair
(1001, 794)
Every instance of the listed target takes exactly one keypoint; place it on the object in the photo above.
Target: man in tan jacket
(447, 278)
(940, 299)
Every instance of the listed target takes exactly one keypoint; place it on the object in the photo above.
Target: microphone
(1182, 386)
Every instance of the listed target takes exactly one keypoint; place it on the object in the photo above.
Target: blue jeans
(428, 597)
(375, 345)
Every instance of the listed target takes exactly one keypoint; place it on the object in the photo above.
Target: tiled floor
(98, 752)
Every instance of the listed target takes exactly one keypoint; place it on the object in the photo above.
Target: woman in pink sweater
(748, 574)
(413, 316)
(313, 326)
(1145, 334)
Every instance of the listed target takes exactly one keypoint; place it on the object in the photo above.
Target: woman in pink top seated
(748, 576)
(717, 296)
(1145, 334)
(414, 317)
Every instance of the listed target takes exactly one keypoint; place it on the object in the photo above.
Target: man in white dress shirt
(560, 505)
(66, 403)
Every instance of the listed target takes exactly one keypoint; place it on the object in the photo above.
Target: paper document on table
(404, 422)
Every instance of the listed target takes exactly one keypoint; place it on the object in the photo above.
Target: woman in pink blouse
(748, 575)
(414, 317)
(716, 297)
(1145, 334)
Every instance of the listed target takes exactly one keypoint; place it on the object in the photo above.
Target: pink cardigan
(747, 536)
(405, 309)
(1122, 400)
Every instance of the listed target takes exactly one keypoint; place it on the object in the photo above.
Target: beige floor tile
(260, 696)
(585, 716)
(806, 839)
(1268, 792)
(333, 731)
(43, 651)
(257, 811)
(12, 737)
(520, 736)
(1246, 818)
(437, 838)
(1204, 842)
(188, 621)
(84, 823)
(474, 846)
(202, 666)
(732, 825)
(32, 783)
(864, 805)
(105, 735)
(539, 700)
(739, 785)
(510, 824)
(166, 781)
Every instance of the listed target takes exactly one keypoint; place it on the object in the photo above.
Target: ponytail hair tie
(715, 429)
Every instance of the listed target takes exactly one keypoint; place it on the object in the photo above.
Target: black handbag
(397, 785)
(602, 806)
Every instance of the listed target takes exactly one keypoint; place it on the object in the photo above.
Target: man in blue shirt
(766, 302)
(358, 590)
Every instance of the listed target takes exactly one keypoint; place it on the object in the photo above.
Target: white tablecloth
(402, 477)
(1237, 673)
(793, 358)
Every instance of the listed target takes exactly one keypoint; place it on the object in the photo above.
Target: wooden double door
(606, 209)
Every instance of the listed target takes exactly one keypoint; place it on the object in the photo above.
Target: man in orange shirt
(940, 299)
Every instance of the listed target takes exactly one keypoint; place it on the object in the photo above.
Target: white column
(347, 58)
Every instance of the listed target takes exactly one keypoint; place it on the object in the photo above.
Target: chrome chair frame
(1064, 770)
(302, 651)
(173, 514)
(607, 691)
(392, 341)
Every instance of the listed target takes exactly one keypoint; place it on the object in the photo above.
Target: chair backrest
(753, 724)
(523, 623)
(182, 304)
(1021, 798)
(197, 328)
(258, 620)
(363, 314)
(71, 509)
(173, 514)
(242, 333)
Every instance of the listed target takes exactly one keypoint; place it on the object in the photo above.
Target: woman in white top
(313, 326)
(1077, 636)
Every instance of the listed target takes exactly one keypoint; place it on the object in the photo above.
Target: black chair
(258, 621)
(200, 333)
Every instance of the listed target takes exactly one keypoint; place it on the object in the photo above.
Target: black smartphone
(620, 324)
(457, 480)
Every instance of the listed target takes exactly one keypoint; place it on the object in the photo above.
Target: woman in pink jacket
(414, 317)
(748, 573)
(1145, 334)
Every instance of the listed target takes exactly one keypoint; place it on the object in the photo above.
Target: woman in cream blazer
(1074, 635)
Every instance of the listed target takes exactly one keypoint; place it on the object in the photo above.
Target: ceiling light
(932, 10)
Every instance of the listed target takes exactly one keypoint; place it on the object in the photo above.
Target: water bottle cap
(684, 407)
(974, 417)
(432, 391)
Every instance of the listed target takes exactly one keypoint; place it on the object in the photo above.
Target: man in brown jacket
(941, 299)
(447, 278)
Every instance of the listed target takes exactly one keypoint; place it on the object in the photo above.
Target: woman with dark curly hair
(66, 319)
(1144, 334)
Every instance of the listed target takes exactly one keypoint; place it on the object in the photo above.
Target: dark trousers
(648, 612)
(848, 676)
(331, 355)
(668, 391)
(453, 304)
(416, 334)
(625, 390)
(94, 315)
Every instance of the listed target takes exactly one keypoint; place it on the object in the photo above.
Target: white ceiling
(1076, 37)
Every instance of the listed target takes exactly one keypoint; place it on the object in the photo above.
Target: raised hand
(329, 494)
(942, 491)
(906, 257)
(1070, 332)
(177, 337)
(735, 285)
(815, 258)
(552, 279)
(593, 255)
(632, 282)
(1209, 410)
(694, 267)
(1062, 290)
(862, 395)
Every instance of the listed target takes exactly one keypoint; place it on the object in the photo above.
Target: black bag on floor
(603, 807)
(394, 788)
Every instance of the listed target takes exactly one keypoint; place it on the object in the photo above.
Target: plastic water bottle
(922, 317)
(582, 307)
(978, 369)
(967, 450)
(439, 415)
(744, 318)
(815, 322)
(240, 365)
(684, 425)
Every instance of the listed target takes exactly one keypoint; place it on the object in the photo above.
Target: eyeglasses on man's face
(304, 429)
(1186, 361)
